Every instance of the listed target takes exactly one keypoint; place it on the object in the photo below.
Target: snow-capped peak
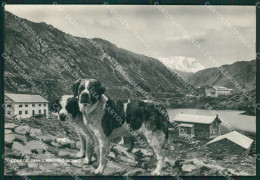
(182, 63)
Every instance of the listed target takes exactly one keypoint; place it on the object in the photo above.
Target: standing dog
(106, 119)
(68, 109)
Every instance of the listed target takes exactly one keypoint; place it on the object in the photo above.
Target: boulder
(111, 154)
(77, 162)
(188, 167)
(32, 165)
(56, 144)
(9, 139)
(35, 132)
(46, 155)
(48, 138)
(37, 146)
(169, 161)
(53, 150)
(21, 138)
(8, 131)
(64, 153)
(22, 130)
(134, 172)
(23, 150)
(144, 152)
(10, 126)
(66, 142)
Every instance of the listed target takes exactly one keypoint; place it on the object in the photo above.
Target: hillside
(42, 61)
(244, 72)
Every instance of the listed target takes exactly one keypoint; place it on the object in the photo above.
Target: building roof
(191, 118)
(221, 88)
(235, 137)
(186, 125)
(26, 98)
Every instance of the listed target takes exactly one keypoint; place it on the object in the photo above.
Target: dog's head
(88, 91)
(67, 107)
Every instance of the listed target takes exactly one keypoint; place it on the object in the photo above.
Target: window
(26, 112)
(33, 105)
(40, 105)
(26, 105)
(45, 104)
(40, 111)
(9, 105)
(9, 112)
(20, 105)
(20, 112)
(44, 111)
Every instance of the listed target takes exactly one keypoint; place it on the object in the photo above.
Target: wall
(211, 92)
(202, 130)
(214, 127)
(223, 92)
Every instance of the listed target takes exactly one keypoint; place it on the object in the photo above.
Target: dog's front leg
(81, 153)
(104, 145)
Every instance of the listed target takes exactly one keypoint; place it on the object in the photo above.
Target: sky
(164, 40)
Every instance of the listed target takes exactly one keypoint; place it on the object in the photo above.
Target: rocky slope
(38, 147)
(58, 59)
(244, 72)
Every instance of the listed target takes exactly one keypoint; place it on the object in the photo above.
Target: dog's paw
(86, 160)
(99, 170)
(80, 154)
(96, 164)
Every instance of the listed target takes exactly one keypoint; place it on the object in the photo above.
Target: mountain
(236, 75)
(182, 64)
(44, 60)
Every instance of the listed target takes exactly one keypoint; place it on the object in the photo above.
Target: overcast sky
(164, 38)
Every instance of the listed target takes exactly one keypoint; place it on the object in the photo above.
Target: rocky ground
(48, 147)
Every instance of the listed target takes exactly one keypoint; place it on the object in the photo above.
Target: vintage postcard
(129, 90)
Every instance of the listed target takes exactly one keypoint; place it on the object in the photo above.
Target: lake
(230, 117)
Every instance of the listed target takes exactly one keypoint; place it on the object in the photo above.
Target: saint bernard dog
(68, 110)
(107, 119)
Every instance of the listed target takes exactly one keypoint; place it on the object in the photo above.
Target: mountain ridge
(242, 72)
(78, 54)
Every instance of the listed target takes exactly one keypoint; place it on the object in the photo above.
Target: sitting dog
(108, 119)
(68, 109)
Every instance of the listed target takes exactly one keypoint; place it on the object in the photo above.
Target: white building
(215, 91)
(25, 105)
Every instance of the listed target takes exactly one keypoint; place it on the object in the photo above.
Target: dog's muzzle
(62, 117)
(84, 98)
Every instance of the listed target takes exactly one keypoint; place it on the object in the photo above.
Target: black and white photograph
(130, 90)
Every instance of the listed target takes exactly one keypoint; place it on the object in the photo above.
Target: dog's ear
(99, 89)
(75, 87)
(55, 105)
(96, 90)
(72, 106)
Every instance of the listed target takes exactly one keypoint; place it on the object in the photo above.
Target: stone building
(214, 91)
(25, 105)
